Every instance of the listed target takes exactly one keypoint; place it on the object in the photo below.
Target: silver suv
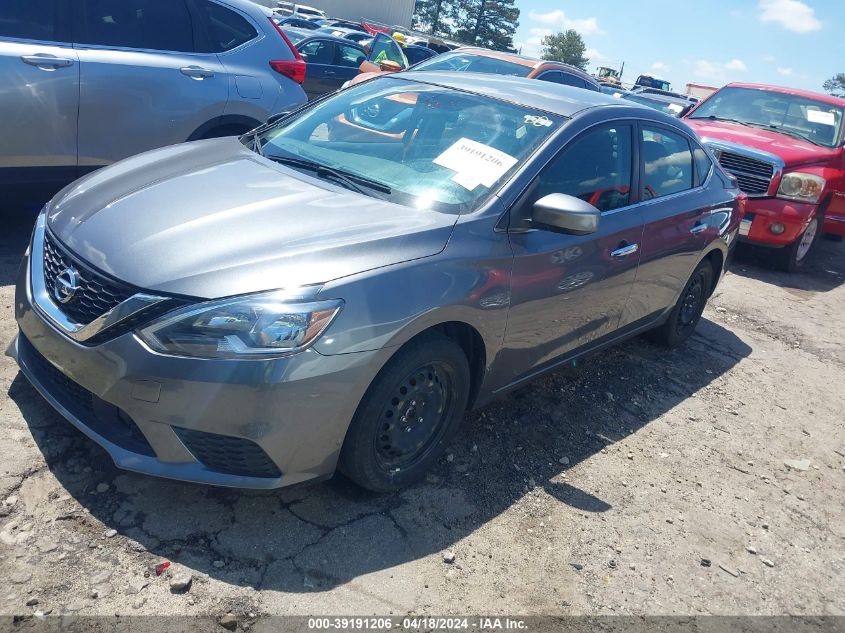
(89, 83)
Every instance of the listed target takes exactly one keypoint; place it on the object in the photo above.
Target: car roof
(528, 62)
(659, 97)
(247, 6)
(544, 95)
(809, 94)
(322, 35)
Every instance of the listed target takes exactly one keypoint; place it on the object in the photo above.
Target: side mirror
(389, 66)
(278, 117)
(565, 214)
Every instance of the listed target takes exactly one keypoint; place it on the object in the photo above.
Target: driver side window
(595, 167)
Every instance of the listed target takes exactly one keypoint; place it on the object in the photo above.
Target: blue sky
(797, 43)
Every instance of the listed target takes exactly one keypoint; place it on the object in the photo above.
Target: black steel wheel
(408, 415)
(684, 317)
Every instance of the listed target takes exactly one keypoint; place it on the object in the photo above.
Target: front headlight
(257, 326)
(800, 186)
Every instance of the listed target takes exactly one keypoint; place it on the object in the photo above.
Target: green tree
(434, 16)
(567, 47)
(487, 23)
(836, 85)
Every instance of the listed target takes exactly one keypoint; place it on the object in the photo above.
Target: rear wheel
(687, 312)
(795, 256)
(408, 415)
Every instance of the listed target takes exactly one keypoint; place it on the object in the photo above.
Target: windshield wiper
(713, 117)
(351, 181)
(780, 130)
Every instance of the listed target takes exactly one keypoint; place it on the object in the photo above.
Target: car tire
(794, 257)
(409, 414)
(684, 317)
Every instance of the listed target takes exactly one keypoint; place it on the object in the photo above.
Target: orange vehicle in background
(386, 56)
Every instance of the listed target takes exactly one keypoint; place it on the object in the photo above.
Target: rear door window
(568, 79)
(139, 24)
(318, 52)
(28, 20)
(226, 28)
(350, 56)
(667, 163)
(703, 165)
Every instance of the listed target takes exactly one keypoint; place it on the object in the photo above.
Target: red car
(785, 148)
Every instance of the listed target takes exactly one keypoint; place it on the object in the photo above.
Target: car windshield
(664, 106)
(815, 121)
(412, 143)
(471, 62)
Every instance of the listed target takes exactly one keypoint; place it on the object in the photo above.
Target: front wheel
(687, 312)
(408, 415)
(795, 256)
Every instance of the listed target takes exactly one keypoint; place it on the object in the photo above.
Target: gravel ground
(704, 480)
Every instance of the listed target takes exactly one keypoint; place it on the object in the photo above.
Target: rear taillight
(293, 69)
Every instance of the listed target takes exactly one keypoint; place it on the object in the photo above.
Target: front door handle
(698, 228)
(196, 72)
(47, 62)
(330, 73)
(624, 251)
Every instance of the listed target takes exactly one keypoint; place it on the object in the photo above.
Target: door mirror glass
(565, 214)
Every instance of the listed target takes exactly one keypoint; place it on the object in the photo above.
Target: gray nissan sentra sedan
(338, 288)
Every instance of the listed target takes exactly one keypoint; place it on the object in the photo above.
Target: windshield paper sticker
(817, 116)
(538, 121)
(475, 163)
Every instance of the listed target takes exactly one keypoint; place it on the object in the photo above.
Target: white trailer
(388, 12)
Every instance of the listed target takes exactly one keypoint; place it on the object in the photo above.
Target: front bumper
(762, 213)
(246, 424)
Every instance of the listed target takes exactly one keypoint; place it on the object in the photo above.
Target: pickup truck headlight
(800, 186)
(257, 326)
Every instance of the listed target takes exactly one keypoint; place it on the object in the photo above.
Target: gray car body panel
(258, 225)
(212, 219)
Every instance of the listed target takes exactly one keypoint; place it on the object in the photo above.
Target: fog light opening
(777, 228)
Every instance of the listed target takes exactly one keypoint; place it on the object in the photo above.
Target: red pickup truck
(786, 148)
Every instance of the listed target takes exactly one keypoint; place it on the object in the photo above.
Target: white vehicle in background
(288, 9)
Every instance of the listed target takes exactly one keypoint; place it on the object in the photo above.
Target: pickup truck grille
(752, 174)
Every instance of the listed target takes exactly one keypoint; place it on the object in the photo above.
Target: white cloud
(559, 19)
(706, 70)
(659, 66)
(786, 72)
(793, 15)
(769, 58)
(594, 55)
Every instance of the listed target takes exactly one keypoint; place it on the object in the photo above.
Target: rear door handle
(47, 62)
(624, 251)
(698, 228)
(196, 72)
(330, 73)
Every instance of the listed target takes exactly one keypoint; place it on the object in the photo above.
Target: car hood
(214, 219)
(792, 151)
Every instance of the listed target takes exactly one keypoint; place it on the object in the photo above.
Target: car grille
(105, 419)
(227, 454)
(97, 293)
(752, 175)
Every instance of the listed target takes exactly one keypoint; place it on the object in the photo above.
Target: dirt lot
(709, 479)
